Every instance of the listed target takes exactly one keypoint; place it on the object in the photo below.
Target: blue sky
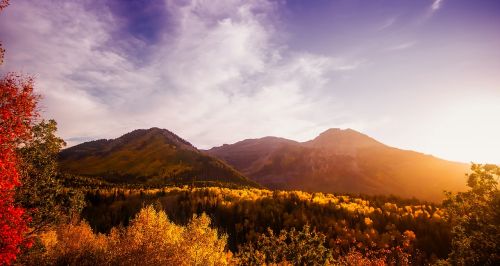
(415, 74)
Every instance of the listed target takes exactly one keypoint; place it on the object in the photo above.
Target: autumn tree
(42, 193)
(153, 240)
(3, 4)
(475, 218)
(17, 111)
(150, 238)
(70, 244)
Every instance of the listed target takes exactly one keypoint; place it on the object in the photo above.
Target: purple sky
(415, 74)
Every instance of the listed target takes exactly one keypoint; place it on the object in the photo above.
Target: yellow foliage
(202, 245)
(72, 244)
(150, 239)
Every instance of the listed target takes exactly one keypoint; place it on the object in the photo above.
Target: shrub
(303, 247)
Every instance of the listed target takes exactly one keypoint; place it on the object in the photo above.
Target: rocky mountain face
(343, 161)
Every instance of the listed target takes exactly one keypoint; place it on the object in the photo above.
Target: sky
(422, 75)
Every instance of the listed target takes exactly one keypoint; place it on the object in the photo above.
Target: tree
(304, 247)
(152, 239)
(475, 218)
(42, 193)
(17, 111)
(202, 244)
(3, 4)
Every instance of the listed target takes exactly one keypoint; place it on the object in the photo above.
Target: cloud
(347, 65)
(429, 11)
(436, 4)
(387, 23)
(215, 71)
(401, 46)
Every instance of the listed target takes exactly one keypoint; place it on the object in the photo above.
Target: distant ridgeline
(152, 157)
(337, 161)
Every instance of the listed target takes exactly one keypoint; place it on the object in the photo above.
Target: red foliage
(17, 110)
(3, 4)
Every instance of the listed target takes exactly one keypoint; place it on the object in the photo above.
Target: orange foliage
(150, 239)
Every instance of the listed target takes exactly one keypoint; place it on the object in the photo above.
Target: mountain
(148, 156)
(343, 161)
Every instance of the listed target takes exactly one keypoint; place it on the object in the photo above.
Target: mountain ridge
(148, 156)
(343, 160)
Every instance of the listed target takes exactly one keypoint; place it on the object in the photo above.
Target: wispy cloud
(387, 23)
(430, 11)
(346, 65)
(218, 72)
(436, 4)
(401, 46)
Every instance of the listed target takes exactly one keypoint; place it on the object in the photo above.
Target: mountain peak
(336, 130)
(156, 132)
(343, 141)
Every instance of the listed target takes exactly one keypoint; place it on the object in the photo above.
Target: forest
(243, 214)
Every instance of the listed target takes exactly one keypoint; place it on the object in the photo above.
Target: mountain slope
(153, 156)
(343, 161)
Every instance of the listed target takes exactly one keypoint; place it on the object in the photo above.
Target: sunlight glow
(473, 124)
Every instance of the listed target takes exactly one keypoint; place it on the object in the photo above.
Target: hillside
(152, 157)
(343, 161)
